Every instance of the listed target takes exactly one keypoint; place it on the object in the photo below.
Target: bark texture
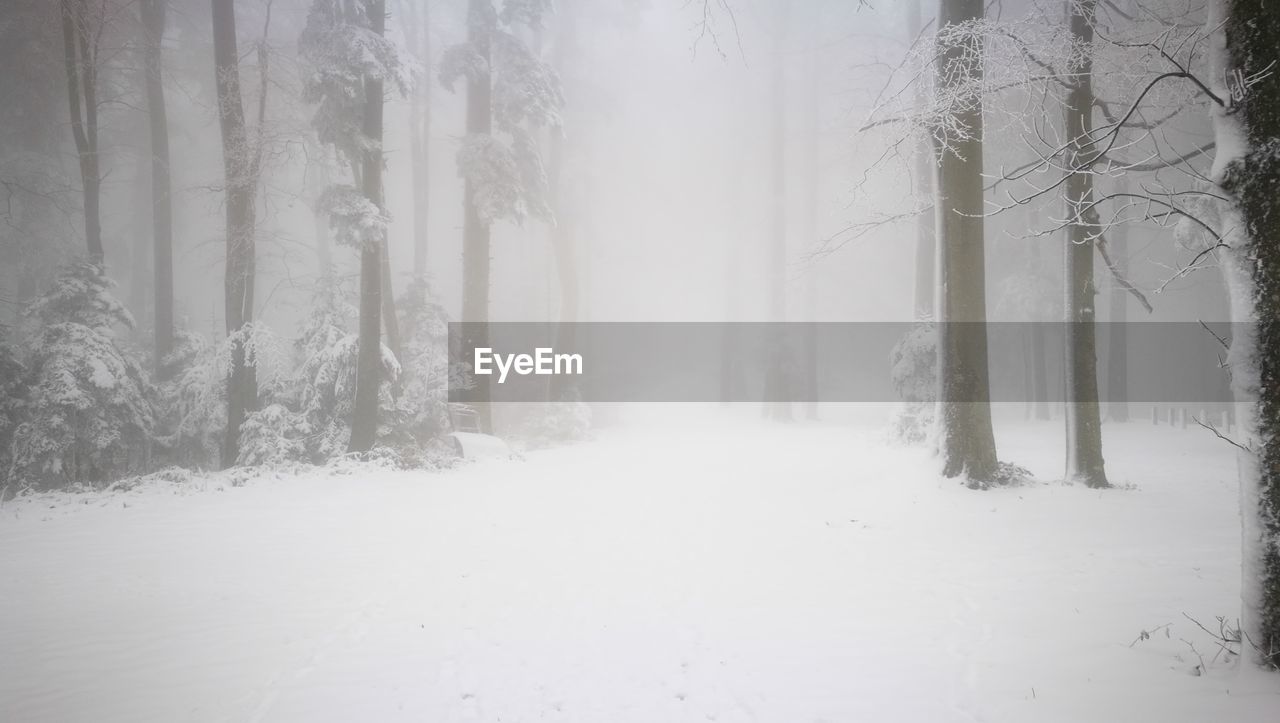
(1083, 419)
(153, 21)
(1247, 126)
(364, 416)
(967, 443)
(79, 47)
(241, 184)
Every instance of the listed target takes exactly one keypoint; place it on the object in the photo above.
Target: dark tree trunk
(241, 183)
(140, 222)
(475, 230)
(153, 12)
(1083, 419)
(966, 439)
(1248, 171)
(1117, 344)
(80, 56)
(364, 420)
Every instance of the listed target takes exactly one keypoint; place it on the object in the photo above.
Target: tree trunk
(242, 388)
(364, 420)
(562, 388)
(922, 187)
(140, 224)
(80, 57)
(1117, 344)
(420, 134)
(967, 443)
(475, 230)
(390, 322)
(1083, 420)
(777, 404)
(153, 12)
(1248, 171)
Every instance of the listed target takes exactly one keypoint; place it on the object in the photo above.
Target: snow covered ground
(721, 570)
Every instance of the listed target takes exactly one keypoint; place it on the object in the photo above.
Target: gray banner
(1149, 362)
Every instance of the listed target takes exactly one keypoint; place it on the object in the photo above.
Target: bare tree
(240, 170)
(1084, 422)
(966, 438)
(152, 13)
(81, 33)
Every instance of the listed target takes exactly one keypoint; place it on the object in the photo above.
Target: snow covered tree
(12, 398)
(350, 63)
(193, 402)
(89, 409)
(1245, 91)
(241, 176)
(424, 393)
(966, 440)
(510, 94)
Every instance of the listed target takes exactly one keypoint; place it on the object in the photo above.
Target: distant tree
(240, 167)
(510, 94)
(418, 31)
(82, 25)
(152, 13)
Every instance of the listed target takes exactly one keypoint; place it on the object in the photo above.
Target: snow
(719, 570)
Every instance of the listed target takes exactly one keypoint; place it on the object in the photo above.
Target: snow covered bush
(12, 394)
(193, 403)
(914, 374)
(273, 437)
(554, 423)
(89, 408)
(424, 389)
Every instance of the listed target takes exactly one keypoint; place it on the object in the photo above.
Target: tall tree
(1083, 420)
(153, 21)
(967, 443)
(1246, 116)
(563, 241)
(475, 228)
(419, 31)
(777, 374)
(922, 186)
(351, 63)
(510, 94)
(364, 420)
(80, 36)
(240, 172)
(1117, 342)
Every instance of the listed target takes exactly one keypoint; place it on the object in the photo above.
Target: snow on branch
(356, 221)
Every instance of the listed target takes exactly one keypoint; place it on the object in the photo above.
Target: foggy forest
(640, 360)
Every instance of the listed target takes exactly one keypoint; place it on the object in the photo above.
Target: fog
(639, 360)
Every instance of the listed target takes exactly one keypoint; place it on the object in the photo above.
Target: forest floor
(719, 570)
